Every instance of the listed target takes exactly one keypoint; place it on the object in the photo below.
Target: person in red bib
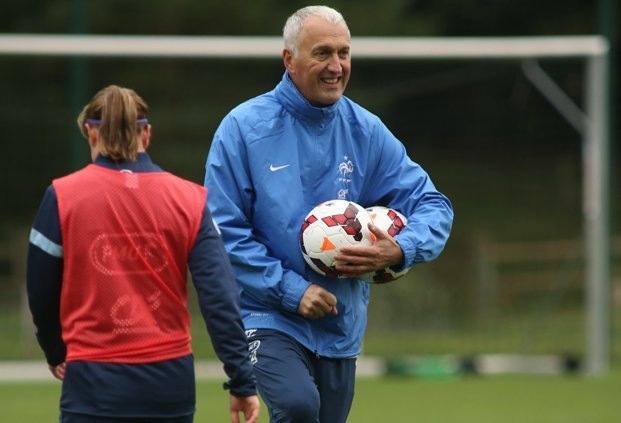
(107, 269)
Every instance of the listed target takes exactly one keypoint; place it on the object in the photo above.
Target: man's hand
(248, 406)
(358, 260)
(317, 302)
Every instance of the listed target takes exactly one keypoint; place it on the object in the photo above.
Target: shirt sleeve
(231, 199)
(44, 278)
(404, 185)
(219, 304)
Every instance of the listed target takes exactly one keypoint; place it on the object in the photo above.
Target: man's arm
(231, 197)
(402, 184)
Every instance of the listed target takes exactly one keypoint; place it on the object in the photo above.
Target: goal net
(513, 130)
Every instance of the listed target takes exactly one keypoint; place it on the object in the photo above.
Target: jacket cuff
(246, 390)
(293, 295)
(409, 254)
(57, 355)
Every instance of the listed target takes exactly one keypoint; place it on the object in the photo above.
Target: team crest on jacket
(346, 168)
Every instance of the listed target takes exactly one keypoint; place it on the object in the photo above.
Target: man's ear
(287, 59)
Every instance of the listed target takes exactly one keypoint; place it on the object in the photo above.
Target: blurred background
(511, 279)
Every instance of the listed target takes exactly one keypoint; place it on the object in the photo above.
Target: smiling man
(272, 159)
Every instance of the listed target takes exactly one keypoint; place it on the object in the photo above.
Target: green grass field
(490, 399)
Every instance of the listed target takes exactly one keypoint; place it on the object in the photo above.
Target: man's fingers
(326, 303)
(351, 252)
(329, 298)
(377, 231)
(317, 302)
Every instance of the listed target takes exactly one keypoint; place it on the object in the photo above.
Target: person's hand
(58, 371)
(317, 302)
(358, 260)
(248, 406)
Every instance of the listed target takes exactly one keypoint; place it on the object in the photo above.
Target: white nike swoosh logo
(276, 168)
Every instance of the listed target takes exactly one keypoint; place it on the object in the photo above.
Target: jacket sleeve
(44, 275)
(404, 185)
(231, 199)
(219, 304)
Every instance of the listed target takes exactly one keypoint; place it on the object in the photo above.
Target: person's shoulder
(181, 188)
(49, 197)
(357, 114)
(75, 175)
(182, 182)
(260, 107)
(255, 118)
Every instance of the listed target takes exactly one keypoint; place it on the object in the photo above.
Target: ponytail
(120, 114)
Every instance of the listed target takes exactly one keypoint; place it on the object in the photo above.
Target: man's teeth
(330, 81)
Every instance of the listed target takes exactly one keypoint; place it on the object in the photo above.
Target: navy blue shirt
(165, 388)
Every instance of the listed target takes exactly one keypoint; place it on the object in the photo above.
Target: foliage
(266, 17)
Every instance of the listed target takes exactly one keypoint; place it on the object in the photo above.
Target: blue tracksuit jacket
(273, 158)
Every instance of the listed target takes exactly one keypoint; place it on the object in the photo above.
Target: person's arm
(44, 281)
(219, 304)
(231, 197)
(408, 188)
(402, 184)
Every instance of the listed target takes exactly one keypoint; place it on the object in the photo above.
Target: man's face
(322, 66)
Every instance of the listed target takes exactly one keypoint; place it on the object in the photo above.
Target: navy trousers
(84, 418)
(296, 385)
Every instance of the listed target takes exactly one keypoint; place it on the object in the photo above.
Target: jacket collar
(288, 94)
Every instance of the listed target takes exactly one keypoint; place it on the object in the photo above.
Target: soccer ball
(391, 221)
(327, 228)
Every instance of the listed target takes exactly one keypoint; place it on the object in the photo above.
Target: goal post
(269, 46)
(593, 125)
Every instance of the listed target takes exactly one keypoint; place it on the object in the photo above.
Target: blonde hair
(116, 111)
(295, 23)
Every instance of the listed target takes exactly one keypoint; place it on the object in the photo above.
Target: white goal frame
(592, 123)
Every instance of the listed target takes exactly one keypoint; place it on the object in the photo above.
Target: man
(273, 159)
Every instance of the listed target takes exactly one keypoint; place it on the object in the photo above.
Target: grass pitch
(486, 399)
